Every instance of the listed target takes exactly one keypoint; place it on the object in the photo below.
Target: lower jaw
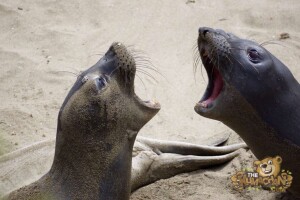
(203, 110)
(211, 108)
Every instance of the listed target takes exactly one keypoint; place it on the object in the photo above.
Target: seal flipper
(217, 140)
(158, 159)
(169, 164)
(185, 148)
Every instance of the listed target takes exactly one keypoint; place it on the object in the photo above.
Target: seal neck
(254, 130)
(94, 169)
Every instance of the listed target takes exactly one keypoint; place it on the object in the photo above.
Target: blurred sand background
(43, 42)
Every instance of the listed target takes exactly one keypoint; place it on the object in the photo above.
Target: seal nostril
(204, 32)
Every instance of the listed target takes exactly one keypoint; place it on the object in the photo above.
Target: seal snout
(210, 43)
(126, 65)
(124, 59)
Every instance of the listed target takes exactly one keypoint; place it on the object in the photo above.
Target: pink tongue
(218, 84)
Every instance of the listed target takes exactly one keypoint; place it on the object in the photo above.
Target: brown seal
(253, 93)
(97, 126)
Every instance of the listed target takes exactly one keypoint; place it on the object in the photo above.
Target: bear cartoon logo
(268, 166)
(267, 173)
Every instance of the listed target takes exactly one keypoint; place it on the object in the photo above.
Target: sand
(44, 44)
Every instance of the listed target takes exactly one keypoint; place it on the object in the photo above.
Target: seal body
(97, 126)
(255, 94)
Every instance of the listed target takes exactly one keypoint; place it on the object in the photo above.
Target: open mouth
(128, 63)
(215, 82)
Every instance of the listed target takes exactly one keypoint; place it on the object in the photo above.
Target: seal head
(262, 80)
(107, 88)
(97, 126)
(253, 93)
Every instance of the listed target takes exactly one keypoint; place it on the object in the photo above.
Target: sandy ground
(44, 43)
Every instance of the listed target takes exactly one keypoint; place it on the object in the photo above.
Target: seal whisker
(243, 65)
(142, 82)
(73, 73)
(140, 54)
(196, 62)
(275, 42)
(97, 54)
(197, 59)
(229, 61)
(133, 49)
(238, 62)
(218, 58)
(143, 59)
(152, 69)
(233, 48)
(136, 53)
(118, 67)
(212, 58)
(147, 74)
(148, 65)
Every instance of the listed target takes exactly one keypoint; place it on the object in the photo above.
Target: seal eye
(101, 82)
(253, 55)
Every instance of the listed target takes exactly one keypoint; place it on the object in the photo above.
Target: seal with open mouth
(253, 93)
(97, 126)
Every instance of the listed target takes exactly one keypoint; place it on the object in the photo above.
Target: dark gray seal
(97, 126)
(253, 93)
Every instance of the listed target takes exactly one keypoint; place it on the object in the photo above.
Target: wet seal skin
(253, 93)
(97, 126)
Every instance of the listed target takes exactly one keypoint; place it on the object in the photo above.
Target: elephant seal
(253, 93)
(97, 126)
